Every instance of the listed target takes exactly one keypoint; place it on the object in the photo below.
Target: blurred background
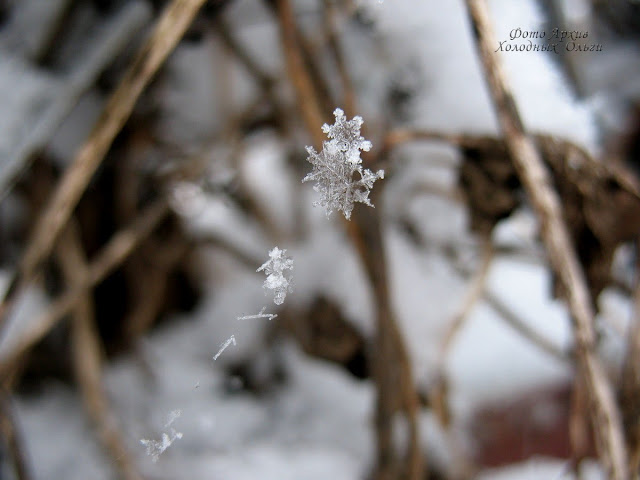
(426, 338)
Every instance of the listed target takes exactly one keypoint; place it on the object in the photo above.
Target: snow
(335, 166)
(273, 268)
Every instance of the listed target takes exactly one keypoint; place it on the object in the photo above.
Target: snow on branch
(274, 267)
(334, 167)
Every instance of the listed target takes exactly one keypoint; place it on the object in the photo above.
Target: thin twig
(87, 353)
(515, 322)
(156, 285)
(508, 315)
(10, 432)
(563, 258)
(112, 255)
(348, 92)
(217, 241)
(308, 100)
(265, 80)
(474, 293)
(395, 388)
(630, 381)
(169, 30)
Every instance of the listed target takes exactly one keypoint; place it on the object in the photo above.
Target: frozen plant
(274, 267)
(335, 166)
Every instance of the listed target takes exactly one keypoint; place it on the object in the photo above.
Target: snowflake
(155, 448)
(273, 268)
(334, 167)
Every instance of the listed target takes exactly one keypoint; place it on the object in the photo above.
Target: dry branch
(396, 391)
(87, 353)
(480, 288)
(348, 93)
(10, 433)
(170, 28)
(630, 382)
(308, 100)
(474, 293)
(535, 178)
(112, 255)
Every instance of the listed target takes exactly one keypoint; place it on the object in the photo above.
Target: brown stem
(630, 382)
(395, 387)
(474, 293)
(87, 353)
(10, 432)
(112, 255)
(536, 181)
(348, 93)
(396, 392)
(308, 100)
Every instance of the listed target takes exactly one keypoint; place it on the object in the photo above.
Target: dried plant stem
(579, 432)
(10, 433)
(396, 391)
(308, 100)
(536, 180)
(348, 94)
(515, 322)
(508, 315)
(87, 353)
(230, 42)
(395, 386)
(112, 255)
(170, 28)
(149, 304)
(474, 293)
(630, 382)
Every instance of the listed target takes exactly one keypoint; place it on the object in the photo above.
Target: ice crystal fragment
(260, 314)
(223, 347)
(155, 448)
(334, 167)
(274, 269)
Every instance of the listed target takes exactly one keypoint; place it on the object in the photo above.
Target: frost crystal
(334, 167)
(155, 448)
(223, 347)
(260, 314)
(274, 268)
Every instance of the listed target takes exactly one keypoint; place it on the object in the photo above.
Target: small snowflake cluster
(274, 269)
(155, 448)
(335, 166)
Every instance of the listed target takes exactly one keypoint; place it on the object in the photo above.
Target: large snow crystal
(334, 167)
(274, 267)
